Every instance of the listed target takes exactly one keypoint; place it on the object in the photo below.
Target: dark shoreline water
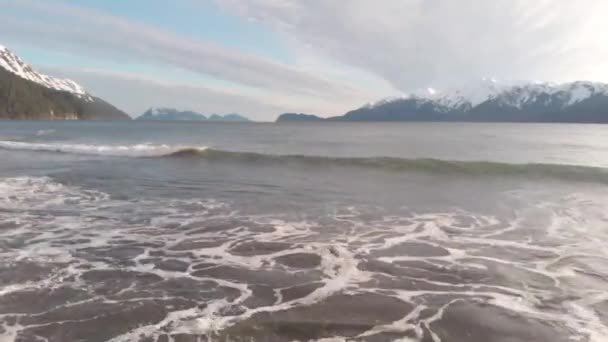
(248, 232)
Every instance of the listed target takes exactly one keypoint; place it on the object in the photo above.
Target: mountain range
(26, 94)
(29, 95)
(487, 101)
(171, 114)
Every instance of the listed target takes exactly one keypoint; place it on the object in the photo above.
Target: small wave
(43, 132)
(425, 165)
(136, 150)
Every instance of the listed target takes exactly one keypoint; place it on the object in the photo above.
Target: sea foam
(135, 150)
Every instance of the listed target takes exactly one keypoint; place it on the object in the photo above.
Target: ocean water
(297, 232)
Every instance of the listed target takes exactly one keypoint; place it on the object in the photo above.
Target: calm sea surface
(152, 231)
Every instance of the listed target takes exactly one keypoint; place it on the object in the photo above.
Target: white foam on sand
(42, 192)
(46, 213)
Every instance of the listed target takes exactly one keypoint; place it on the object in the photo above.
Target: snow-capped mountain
(509, 94)
(26, 94)
(15, 65)
(491, 100)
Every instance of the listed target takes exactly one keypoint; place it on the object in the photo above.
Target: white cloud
(90, 32)
(344, 53)
(415, 44)
(135, 93)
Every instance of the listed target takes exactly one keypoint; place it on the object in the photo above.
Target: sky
(261, 58)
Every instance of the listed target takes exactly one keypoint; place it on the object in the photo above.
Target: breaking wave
(420, 165)
(425, 165)
(136, 150)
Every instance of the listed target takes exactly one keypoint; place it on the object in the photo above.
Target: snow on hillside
(15, 65)
(513, 94)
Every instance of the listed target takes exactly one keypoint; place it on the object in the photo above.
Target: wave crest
(135, 150)
(424, 165)
(427, 165)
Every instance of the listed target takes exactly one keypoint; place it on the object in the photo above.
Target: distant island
(298, 117)
(489, 101)
(26, 94)
(171, 114)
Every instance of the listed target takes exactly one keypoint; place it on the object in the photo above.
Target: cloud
(342, 53)
(135, 93)
(419, 43)
(57, 25)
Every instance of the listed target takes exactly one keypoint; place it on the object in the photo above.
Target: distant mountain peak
(507, 93)
(164, 111)
(232, 117)
(172, 114)
(14, 64)
(298, 117)
(29, 95)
